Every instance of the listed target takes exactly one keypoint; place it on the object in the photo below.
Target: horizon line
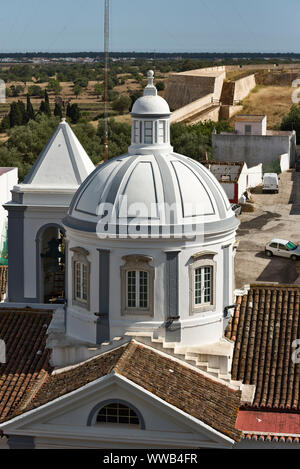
(148, 52)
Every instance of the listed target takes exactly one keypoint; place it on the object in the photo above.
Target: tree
(68, 109)
(81, 81)
(14, 91)
(45, 105)
(195, 140)
(29, 109)
(77, 90)
(58, 110)
(119, 138)
(134, 95)
(122, 104)
(98, 90)
(54, 86)
(292, 120)
(26, 142)
(17, 114)
(73, 112)
(5, 124)
(35, 90)
(160, 86)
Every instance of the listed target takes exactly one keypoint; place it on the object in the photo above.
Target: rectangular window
(137, 289)
(203, 285)
(136, 131)
(81, 281)
(248, 129)
(148, 132)
(162, 131)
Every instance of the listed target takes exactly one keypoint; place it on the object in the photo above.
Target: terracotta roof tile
(189, 390)
(24, 333)
(264, 326)
(270, 438)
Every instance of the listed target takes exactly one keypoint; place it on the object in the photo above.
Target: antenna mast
(106, 65)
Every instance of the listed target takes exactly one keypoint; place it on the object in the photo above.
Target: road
(275, 216)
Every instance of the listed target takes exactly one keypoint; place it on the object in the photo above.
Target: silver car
(282, 248)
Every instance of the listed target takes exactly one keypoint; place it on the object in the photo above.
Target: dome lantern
(150, 121)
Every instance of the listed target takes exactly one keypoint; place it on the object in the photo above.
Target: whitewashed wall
(7, 181)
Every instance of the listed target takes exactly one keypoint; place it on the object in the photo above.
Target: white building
(252, 143)
(146, 245)
(250, 125)
(235, 178)
(35, 216)
(8, 179)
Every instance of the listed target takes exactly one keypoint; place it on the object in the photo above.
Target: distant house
(253, 143)
(236, 177)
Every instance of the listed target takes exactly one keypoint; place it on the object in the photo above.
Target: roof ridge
(128, 351)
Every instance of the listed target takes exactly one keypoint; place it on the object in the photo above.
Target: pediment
(68, 416)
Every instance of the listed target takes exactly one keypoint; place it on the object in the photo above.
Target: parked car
(282, 248)
(236, 208)
(297, 165)
(270, 182)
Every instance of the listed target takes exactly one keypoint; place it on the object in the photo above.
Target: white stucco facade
(198, 231)
(62, 423)
(39, 203)
(205, 327)
(175, 232)
(8, 179)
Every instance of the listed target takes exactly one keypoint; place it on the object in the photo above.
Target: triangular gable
(63, 162)
(67, 417)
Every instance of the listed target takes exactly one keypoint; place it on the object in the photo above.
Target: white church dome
(150, 189)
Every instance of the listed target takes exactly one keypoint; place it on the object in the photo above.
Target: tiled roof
(254, 421)
(4, 169)
(179, 385)
(249, 118)
(264, 325)
(225, 168)
(27, 360)
(3, 280)
(270, 437)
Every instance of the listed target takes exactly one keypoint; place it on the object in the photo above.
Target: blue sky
(151, 25)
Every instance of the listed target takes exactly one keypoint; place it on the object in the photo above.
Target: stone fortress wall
(198, 95)
(186, 87)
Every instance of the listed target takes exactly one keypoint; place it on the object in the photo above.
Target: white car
(282, 248)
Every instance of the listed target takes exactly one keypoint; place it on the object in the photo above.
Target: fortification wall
(190, 109)
(270, 66)
(242, 88)
(227, 111)
(277, 78)
(184, 88)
